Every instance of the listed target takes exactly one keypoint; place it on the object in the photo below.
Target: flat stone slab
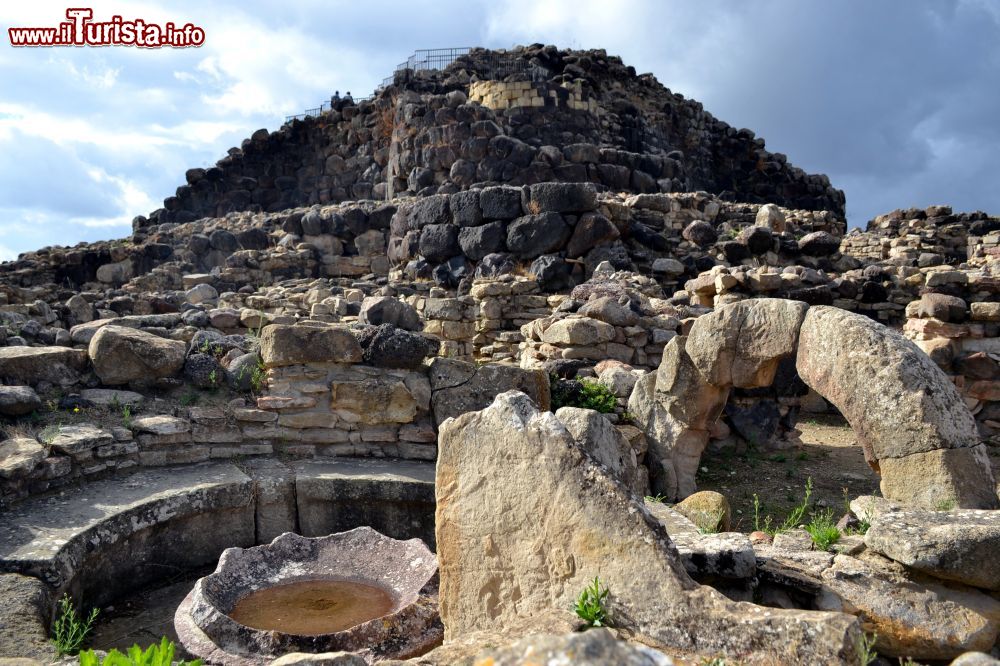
(52, 537)
(961, 545)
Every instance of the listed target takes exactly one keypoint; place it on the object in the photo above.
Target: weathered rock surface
(282, 344)
(121, 355)
(459, 387)
(24, 609)
(18, 400)
(19, 455)
(899, 404)
(513, 542)
(674, 406)
(707, 509)
(29, 365)
(597, 647)
(961, 545)
(919, 619)
(605, 443)
(320, 659)
(724, 555)
(386, 346)
(741, 344)
(377, 310)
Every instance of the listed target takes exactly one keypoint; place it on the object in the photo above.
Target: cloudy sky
(897, 100)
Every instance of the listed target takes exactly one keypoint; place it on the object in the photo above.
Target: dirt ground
(828, 455)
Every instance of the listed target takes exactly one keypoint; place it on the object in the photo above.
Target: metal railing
(496, 65)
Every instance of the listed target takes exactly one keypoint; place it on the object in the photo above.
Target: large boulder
(525, 519)
(770, 216)
(386, 346)
(959, 545)
(31, 365)
(121, 355)
(700, 233)
(285, 344)
(578, 332)
(459, 386)
(741, 344)
(18, 400)
(439, 242)
(501, 202)
(534, 235)
(477, 242)
(591, 230)
(910, 419)
(377, 310)
(559, 197)
(819, 244)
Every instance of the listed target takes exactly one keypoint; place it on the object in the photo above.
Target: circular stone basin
(357, 591)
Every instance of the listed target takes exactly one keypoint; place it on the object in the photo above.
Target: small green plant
(589, 606)
(945, 505)
(779, 457)
(656, 499)
(258, 378)
(758, 524)
(70, 630)
(49, 433)
(127, 416)
(709, 522)
(823, 530)
(794, 518)
(864, 521)
(585, 393)
(154, 655)
(866, 648)
(189, 398)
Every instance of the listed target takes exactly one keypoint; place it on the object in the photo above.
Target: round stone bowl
(405, 570)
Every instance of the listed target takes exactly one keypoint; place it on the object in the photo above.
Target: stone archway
(909, 418)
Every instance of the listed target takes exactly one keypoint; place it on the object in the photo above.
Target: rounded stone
(708, 510)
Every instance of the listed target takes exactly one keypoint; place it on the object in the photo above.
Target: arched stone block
(675, 405)
(903, 408)
(910, 420)
(741, 344)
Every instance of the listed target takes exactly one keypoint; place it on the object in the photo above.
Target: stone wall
(920, 237)
(502, 95)
(424, 135)
(963, 338)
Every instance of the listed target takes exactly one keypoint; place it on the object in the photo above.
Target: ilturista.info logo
(82, 30)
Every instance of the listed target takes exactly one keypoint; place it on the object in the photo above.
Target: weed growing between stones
(70, 630)
(589, 605)
(794, 519)
(823, 530)
(866, 649)
(155, 655)
(587, 394)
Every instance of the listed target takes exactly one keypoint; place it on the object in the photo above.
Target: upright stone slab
(526, 519)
